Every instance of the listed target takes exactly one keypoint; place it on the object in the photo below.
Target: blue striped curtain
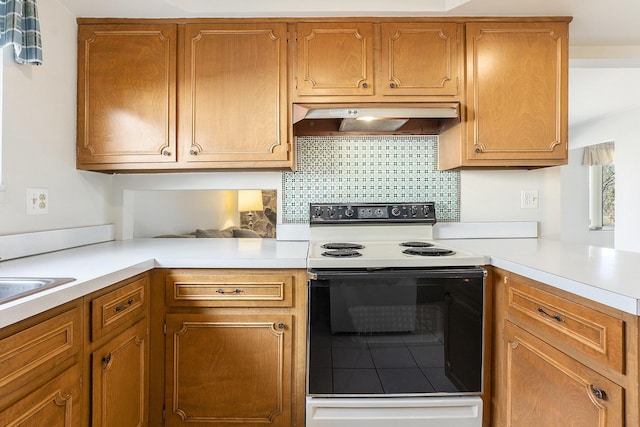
(20, 27)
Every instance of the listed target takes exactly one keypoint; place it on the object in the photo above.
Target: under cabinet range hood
(374, 119)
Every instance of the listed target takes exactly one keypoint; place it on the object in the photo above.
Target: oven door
(395, 332)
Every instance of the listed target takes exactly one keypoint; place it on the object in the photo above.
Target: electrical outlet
(37, 201)
(529, 199)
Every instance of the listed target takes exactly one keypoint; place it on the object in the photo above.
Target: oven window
(371, 335)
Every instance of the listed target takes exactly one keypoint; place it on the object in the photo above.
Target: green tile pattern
(368, 169)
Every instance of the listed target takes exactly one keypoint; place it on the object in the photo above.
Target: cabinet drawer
(30, 355)
(114, 309)
(593, 333)
(240, 290)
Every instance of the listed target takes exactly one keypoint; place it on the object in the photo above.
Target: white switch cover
(37, 201)
(529, 199)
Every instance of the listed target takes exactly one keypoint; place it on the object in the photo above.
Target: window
(602, 185)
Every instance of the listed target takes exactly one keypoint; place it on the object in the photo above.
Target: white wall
(622, 128)
(39, 134)
(130, 190)
(495, 196)
(181, 212)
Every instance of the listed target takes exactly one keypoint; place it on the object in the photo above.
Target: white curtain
(599, 154)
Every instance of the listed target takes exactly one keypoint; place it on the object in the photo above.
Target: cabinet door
(420, 59)
(228, 370)
(55, 404)
(517, 98)
(126, 94)
(120, 379)
(335, 59)
(545, 387)
(234, 105)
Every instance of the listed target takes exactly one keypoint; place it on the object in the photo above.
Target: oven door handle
(398, 273)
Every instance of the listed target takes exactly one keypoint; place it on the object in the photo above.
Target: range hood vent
(374, 119)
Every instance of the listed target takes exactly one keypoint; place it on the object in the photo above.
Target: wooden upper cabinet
(335, 59)
(517, 96)
(420, 59)
(126, 94)
(234, 102)
(376, 61)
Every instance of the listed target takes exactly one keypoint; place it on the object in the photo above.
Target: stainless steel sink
(16, 287)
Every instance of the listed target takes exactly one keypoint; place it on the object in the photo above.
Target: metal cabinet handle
(280, 325)
(105, 360)
(544, 313)
(365, 85)
(598, 393)
(166, 152)
(478, 150)
(392, 85)
(235, 291)
(194, 151)
(119, 308)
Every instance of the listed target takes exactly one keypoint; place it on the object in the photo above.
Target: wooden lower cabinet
(54, 404)
(545, 387)
(229, 370)
(119, 372)
(560, 359)
(117, 343)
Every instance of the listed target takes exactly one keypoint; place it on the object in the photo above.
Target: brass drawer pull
(235, 291)
(119, 308)
(544, 313)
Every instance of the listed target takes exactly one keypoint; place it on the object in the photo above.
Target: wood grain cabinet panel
(519, 90)
(116, 354)
(230, 290)
(229, 370)
(114, 309)
(547, 388)
(120, 379)
(32, 354)
(234, 105)
(335, 59)
(561, 359)
(516, 97)
(126, 95)
(54, 404)
(420, 59)
(595, 334)
(377, 61)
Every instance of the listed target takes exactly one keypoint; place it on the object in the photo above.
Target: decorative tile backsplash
(368, 169)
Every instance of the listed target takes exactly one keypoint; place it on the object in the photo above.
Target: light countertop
(604, 275)
(97, 266)
(608, 276)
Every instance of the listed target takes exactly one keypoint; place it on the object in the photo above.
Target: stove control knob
(348, 212)
(413, 211)
(395, 211)
(318, 211)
